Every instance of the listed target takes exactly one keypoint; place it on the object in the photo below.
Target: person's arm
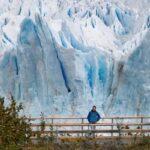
(99, 117)
(88, 117)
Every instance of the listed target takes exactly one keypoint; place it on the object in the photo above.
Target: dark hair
(94, 106)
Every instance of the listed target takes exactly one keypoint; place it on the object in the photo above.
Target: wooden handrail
(83, 126)
(93, 131)
(87, 124)
(73, 118)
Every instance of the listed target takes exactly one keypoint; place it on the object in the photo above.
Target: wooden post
(142, 125)
(112, 127)
(52, 127)
(52, 120)
(141, 122)
(82, 121)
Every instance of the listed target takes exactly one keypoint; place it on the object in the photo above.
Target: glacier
(61, 57)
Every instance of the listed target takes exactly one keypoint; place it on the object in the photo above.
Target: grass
(91, 144)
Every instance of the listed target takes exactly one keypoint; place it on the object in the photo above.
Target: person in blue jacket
(93, 115)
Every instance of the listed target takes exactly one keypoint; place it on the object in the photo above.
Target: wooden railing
(107, 127)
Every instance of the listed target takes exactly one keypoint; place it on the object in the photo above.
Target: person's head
(94, 108)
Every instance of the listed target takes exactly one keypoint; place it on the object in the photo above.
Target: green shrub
(15, 131)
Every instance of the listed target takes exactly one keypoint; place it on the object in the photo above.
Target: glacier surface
(61, 57)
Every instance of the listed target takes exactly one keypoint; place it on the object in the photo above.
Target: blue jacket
(93, 117)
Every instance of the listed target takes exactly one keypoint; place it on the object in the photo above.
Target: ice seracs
(61, 57)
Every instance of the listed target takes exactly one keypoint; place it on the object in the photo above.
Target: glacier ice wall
(133, 88)
(62, 57)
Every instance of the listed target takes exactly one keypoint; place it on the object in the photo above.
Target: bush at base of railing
(15, 132)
